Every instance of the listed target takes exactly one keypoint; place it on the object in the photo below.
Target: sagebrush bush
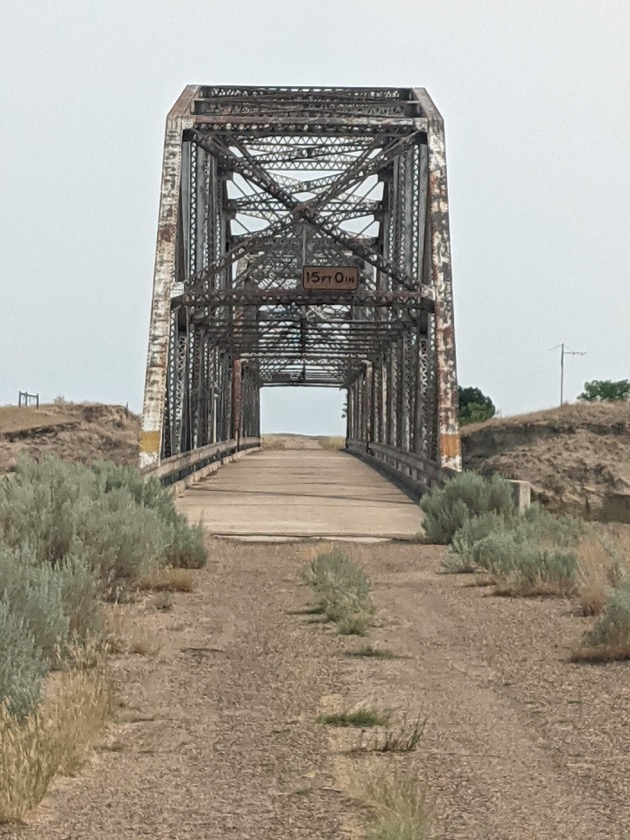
(22, 665)
(34, 594)
(459, 557)
(121, 540)
(467, 495)
(107, 515)
(521, 566)
(70, 534)
(517, 546)
(185, 547)
(343, 591)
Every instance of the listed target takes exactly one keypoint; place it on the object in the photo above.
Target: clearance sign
(330, 278)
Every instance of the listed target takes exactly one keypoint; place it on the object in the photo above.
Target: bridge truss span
(261, 185)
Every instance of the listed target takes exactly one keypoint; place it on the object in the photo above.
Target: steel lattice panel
(256, 184)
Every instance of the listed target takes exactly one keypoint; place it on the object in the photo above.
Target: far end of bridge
(303, 240)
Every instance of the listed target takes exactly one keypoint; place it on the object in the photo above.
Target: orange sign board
(326, 278)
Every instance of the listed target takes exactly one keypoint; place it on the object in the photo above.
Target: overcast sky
(535, 96)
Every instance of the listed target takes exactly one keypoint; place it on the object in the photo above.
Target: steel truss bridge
(257, 183)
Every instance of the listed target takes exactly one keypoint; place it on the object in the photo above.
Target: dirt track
(217, 735)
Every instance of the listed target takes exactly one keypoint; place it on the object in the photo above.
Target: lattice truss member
(258, 183)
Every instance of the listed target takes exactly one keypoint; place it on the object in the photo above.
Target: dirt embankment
(577, 457)
(74, 432)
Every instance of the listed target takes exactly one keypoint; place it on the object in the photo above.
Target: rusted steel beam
(260, 297)
(446, 368)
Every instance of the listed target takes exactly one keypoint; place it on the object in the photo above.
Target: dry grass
(167, 580)
(609, 638)
(400, 807)
(79, 710)
(273, 442)
(402, 738)
(53, 740)
(343, 592)
(327, 442)
(162, 601)
(126, 636)
(602, 563)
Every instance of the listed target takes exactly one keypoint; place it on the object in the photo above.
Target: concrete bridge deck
(299, 493)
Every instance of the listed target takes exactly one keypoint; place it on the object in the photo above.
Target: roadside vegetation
(342, 591)
(400, 807)
(72, 537)
(397, 796)
(534, 553)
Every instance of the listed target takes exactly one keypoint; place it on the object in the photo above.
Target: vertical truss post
(446, 371)
(163, 279)
(368, 395)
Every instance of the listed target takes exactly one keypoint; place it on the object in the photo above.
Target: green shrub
(22, 666)
(448, 508)
(520, 566)
(186, 547)
(120, 540)
(70, 534)
(459, 558)
(148, 493)
(33, 594)
(563, 530)
(107, 515)
(79, 596)
(536, 527)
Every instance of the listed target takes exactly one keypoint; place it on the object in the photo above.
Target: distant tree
(474, 406)
(605, 390)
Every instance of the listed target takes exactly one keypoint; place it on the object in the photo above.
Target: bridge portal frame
(228, 314)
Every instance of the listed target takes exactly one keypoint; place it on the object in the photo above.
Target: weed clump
(449, 508)
(343, 592)
(402, 738)
(610, 637)
(50, 740)
(400, 808)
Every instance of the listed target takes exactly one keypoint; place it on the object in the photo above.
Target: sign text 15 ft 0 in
(330, 278)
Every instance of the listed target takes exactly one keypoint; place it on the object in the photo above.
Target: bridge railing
(417, 473)
(190, 466)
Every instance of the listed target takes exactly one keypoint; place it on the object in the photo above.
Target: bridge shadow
(200, 488)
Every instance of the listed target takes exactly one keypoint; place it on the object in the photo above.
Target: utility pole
(564, 351)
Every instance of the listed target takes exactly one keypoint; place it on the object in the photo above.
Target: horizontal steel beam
(297, 297)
